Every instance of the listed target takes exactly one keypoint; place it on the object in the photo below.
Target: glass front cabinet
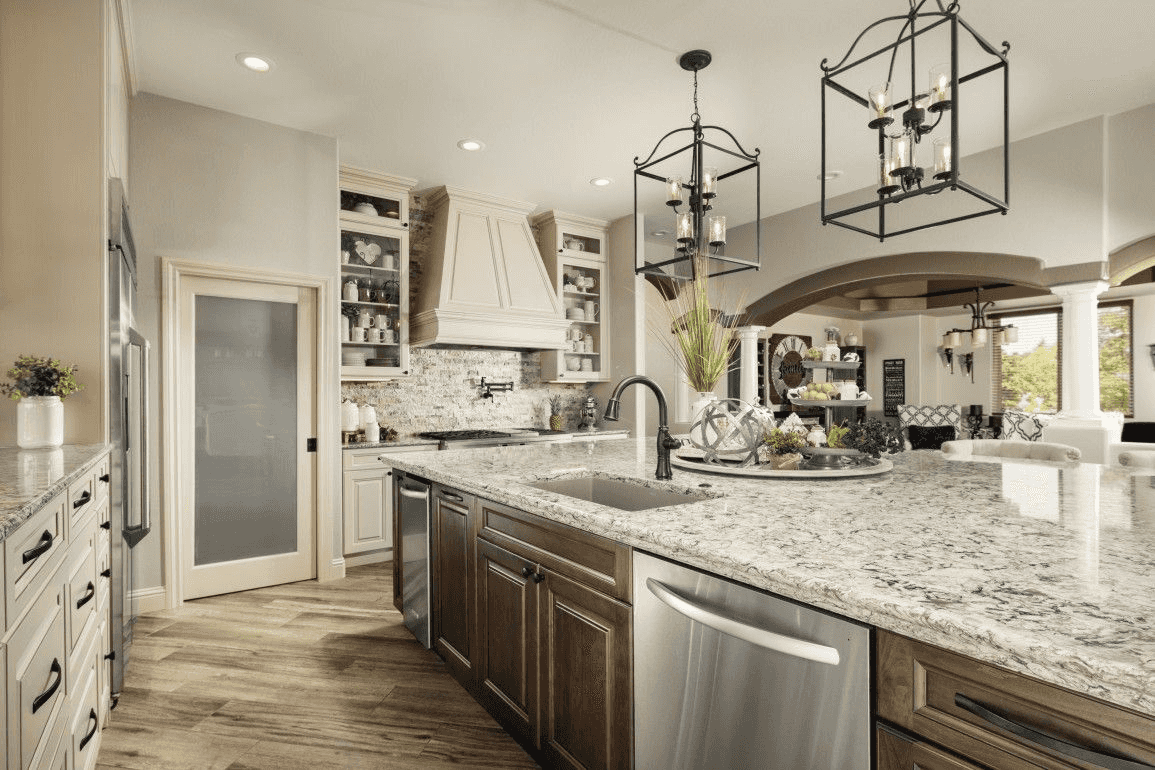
(574, 250)
(374, 254)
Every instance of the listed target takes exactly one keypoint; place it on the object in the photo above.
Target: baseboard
(336, 570)
(148, 599)
(372, 557)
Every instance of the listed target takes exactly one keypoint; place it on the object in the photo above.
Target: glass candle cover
(942, 162)
(716, 227)
(900, 151)
(939, 83)
(978, 337)
(685, 227)
(709, 182)
(674, 189)
(879, 102)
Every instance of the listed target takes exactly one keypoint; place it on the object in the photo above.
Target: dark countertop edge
(407, 443)
(11, 518)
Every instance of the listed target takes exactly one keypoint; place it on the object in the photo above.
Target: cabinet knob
(527, 571)
(540, 576)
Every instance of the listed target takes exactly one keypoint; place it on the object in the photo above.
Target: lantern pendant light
(695, 181)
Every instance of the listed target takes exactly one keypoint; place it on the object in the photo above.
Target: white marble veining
(30, 477)
(1043, 568)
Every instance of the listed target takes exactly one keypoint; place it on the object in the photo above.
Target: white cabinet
(374, 255)
(575, 254)
(367, 498)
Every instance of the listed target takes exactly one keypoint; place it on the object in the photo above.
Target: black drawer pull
(88, 594)
(82, 500)
(106, 572)
(1097, 758)
(527, 571)
(452, 496)
(106, 525)
(38, 550)
(106, 478)
(92, 732)
(540, 576)
(46, 696)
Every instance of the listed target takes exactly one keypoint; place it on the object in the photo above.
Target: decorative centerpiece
(39, 384)
(780, 449)
(849, 445)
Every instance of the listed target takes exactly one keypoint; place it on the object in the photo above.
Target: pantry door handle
(46, 696)
(799, 648)
(38, 550)
(88, 594)
(1097, 758)
(95, 726)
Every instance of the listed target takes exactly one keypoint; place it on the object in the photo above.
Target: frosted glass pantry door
(247, 478)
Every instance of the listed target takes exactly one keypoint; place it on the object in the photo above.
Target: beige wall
(215, 187)
(1131, 201)
(52, 201)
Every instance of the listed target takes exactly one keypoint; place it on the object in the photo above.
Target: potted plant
(871, 437)
(780, 449)
(39, 384)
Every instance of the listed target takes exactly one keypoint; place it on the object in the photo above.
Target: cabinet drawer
(592, 560)
(31, 555)
(103, 477)
(85, 721)
(995, 717)
(80, 598)
(36, 664)
(897, 752)
(82, 497)
(362, 459)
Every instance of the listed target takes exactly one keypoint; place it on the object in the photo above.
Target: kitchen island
(1041, 568)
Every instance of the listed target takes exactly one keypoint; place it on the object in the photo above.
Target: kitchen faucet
(665, 442)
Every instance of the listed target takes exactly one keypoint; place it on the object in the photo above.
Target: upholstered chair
(1138, 458)
(937, 416)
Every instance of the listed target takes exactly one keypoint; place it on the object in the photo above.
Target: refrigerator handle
(134, 534)
(770, 640)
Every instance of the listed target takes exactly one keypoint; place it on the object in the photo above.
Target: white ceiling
(565, 90)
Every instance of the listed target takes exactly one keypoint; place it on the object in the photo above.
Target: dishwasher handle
(770, 640)
(420, 493)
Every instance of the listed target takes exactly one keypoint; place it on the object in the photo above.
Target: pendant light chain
(695, 117)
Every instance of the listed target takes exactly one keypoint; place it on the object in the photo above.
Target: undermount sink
(625, 495)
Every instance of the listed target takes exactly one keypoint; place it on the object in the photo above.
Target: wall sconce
(968, 364)
(947, 358)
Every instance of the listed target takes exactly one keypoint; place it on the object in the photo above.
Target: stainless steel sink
(622, 494)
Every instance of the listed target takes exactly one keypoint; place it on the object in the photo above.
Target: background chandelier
(981, 328)
(696, 181)
(929, 110)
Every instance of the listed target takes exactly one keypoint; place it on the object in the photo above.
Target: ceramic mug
(388, 336)
(364, 318)
(575, 245)
(591, 310)
(576, 346)
(381, 321)
(372, 335)
(572, 364)
(574, 333)
(359, 334)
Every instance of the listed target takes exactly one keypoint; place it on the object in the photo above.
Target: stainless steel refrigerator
(128, 353)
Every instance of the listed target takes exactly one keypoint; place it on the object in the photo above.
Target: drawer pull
(106, 525)
(106, 572)
(526, 571)
(92, 731)
(106, 478)
(82, 500)
(38, 550)
(452, 496)
(46, 696)
(1097, 758)
(88, 594)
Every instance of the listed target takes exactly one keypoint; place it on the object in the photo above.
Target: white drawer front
(31, 555)
(36, 663)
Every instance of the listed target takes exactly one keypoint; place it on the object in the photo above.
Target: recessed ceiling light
(830, 175)
(601, 181)
(471, 145)
(253, 62)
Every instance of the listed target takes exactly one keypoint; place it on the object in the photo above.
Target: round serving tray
(837, 402)
(693, 461)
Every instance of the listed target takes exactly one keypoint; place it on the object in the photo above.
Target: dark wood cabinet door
(896, 752)
(453, 532)
(506, 662)
(585, 677)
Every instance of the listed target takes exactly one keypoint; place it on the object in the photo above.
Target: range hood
(484, 282)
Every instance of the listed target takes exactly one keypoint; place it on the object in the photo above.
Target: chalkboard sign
(893, 385)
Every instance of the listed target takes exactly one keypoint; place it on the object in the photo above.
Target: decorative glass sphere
(730, 431)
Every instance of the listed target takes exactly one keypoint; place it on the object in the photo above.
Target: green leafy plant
(871, 437)
(836, 436)
(783, 442)
(32, 376)
(702, 335)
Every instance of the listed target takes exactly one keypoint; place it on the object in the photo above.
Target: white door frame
(173, 438)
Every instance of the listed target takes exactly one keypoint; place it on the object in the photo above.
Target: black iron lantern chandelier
(916, 122)
(695, 194)
(981, 329)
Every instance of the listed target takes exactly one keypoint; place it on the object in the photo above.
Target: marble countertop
(1047, 569)
(409, 442)
(30, 477)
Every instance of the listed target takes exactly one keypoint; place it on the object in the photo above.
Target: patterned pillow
(1021, 426)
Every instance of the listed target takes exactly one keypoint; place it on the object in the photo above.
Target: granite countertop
(1047, 569)
(409, 442)
(30, 477)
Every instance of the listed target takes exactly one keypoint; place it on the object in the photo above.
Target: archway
(1129, 261)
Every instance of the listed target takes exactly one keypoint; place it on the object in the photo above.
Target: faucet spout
(665, 441)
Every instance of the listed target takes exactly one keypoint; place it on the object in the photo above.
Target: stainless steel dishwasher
(413, 504)
(726, 676)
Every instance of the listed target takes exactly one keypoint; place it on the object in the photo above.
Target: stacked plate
(352, 358)
(392, 361)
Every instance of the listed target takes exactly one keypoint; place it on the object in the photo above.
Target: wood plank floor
(305, 675)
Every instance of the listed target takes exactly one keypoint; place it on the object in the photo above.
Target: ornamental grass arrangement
(38, 377)
(701, 337)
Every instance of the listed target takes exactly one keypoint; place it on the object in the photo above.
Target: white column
(1081, 423)
(748, 363)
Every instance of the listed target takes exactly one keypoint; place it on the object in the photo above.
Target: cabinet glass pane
(581, 295)
(246, 429)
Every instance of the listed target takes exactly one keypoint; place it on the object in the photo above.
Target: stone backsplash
(443, 392)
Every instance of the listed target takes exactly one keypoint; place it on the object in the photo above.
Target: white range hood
(484, 282)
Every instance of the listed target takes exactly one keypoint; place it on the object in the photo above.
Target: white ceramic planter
(39, 422)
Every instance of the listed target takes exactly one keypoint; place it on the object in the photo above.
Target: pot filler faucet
(665, 442)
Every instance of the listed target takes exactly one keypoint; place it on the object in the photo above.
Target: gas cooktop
(464, 435)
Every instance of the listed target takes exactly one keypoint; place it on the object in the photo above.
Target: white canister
(848, 390)
(344, 328)
(367, 416)
(350, 416)
(350, 290)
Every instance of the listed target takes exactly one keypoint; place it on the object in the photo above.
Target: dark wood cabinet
(901, 752)
(996, 718)
(453, 530)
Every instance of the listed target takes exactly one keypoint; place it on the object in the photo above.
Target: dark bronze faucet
(665, 442)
